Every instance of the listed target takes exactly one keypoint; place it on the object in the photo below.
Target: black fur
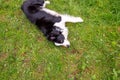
(56, 36)
(43, 20)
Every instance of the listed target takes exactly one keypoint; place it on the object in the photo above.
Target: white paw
(79, 19)
(47, 2)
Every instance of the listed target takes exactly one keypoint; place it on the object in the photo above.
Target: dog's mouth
(66, 44)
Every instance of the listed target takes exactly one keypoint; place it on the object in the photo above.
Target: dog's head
(56, 36)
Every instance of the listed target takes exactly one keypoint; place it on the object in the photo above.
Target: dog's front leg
(68, 18)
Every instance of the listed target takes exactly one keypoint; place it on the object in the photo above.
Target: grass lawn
(94, 54)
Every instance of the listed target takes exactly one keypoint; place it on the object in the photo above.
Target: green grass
(25, 54)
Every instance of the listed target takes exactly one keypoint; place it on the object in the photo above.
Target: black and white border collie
(51, 23)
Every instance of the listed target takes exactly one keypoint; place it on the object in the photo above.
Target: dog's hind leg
(68, 18)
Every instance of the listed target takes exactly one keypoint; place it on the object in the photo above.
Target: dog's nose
(68, 46)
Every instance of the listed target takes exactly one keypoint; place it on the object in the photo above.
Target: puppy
(51, 23)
